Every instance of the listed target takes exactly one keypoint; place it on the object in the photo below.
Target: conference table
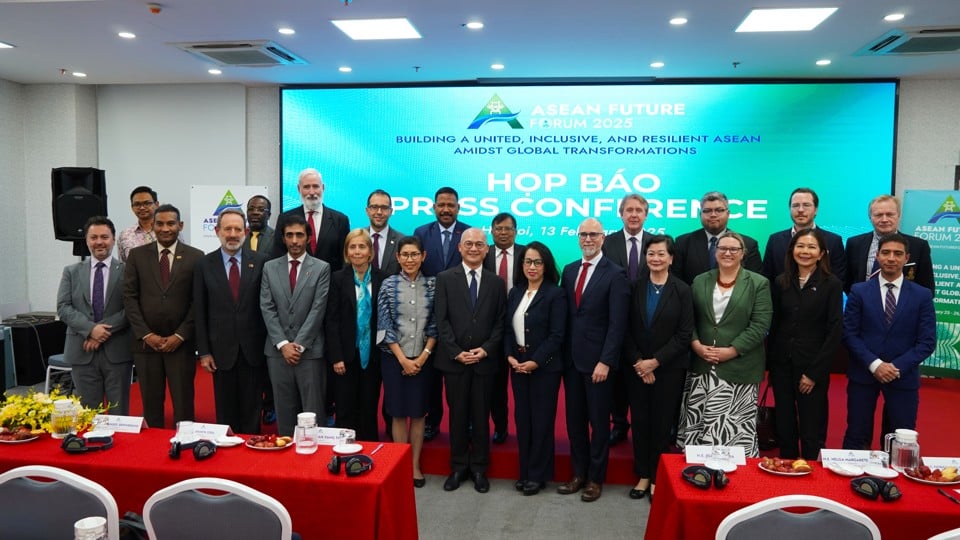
(681, 510)
(378, 504)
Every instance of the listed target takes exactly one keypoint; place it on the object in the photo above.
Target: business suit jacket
(490, 262)
(388, 264)
(668, 338)
(432, 241)
(266, 242)
(224, 328)
(743, 326)
(462, 327)
(596, 328)
(807, 325)
(921, 271)
(334, 227)
(76, 311)
(298, 316)
(776, 253)
(693, 256)
(910, 339)
(340, 324)
(544, 322)
(615, 247)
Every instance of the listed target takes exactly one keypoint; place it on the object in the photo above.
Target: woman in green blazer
(732, 313)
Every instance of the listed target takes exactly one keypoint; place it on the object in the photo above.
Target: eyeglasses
(731, 250)
(536, 263)
(709, 211)
(504, 229)
(379, 207)
(471, 245)
(143, 204)
(408, 255)
(590, 235)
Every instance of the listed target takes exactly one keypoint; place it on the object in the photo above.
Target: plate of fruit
(269, 442)
(786, 467)
(17, 435)
(936, 477)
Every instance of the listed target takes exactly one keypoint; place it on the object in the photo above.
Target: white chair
(45, 509)
(180, 512)
(766, 519)
(952, 534)
(55, 362)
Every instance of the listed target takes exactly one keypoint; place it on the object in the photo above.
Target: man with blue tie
(889, 327)
(696, 250)
(440, 240)
(804, 204)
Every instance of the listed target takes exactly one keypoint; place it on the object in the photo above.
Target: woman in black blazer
(353, 290)
(806, 330)
(656, 356)
(534, 329)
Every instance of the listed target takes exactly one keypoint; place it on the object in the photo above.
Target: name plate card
(700, 454)
(334, 436)
(119, 424)
(941, 462)
(211, 432)
(858, 458)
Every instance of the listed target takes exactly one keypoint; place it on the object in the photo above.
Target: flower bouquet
(34, 412)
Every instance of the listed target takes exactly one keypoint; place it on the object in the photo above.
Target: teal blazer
(744, 325)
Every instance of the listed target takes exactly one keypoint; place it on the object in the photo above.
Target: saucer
(348, 448)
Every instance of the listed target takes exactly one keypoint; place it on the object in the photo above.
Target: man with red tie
(326, 227)
(230, 331)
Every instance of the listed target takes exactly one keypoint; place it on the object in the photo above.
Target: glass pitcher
(903, 449)
(306, 435)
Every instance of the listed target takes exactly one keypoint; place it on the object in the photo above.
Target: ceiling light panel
(784, 20)
(366, 29)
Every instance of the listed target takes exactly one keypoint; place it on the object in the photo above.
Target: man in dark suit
(884, 212)
(506, 260)
(627, 248)
(890, 329)
(598, 296)
(696, 250)
(90, 304)
(384, 237)
(804, 204)
(230, 330)
(327, 227)
(158, 298)
(261, 234)
(293, 298)
(469, 309)
(440, 240)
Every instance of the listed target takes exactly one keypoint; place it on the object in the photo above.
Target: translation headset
(202, 449)
(354, 465)
(74, 444)
(872, 487)
(702, 477)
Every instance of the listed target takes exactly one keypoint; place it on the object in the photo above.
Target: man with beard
(696, 250)
(158, 298)
(327, 227)
(230, 331)
(143, 202)
(260, 238)
(804, 204)
(384, 237)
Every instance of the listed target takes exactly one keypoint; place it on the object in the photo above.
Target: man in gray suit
(260, 238)
(293, 298)
(385, 238)
(90, 303)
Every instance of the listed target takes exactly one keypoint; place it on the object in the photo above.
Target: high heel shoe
(419, 482)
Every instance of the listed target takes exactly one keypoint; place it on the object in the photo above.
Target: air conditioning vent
(917, 40)
(242, 53)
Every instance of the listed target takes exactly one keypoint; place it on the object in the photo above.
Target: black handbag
(766, 423)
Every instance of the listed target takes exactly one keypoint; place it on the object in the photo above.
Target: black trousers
(357, 395)
(535, 411)
(468, 396)
(801, 418)
(588, 423)
(654, 409)
(236, 394)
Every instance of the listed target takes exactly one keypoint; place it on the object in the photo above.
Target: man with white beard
(327, 227)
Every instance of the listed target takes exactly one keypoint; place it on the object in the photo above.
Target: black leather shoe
(499, 437)
(430, 433)
(480, 482)
(532, 488)
(518, 485)
(617, 435)
(419, 482)
(453, 481)
(638, 493)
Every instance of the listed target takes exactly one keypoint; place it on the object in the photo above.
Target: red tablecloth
(379, 504)
(681, 510)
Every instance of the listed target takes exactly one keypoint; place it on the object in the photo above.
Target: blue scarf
(364, 310)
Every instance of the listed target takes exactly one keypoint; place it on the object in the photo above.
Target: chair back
(35, 509)
(767, 519)
(181, 512)
(952, 534)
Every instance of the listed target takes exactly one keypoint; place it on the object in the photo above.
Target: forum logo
(495, 111)
(948, 209)
(228, 201)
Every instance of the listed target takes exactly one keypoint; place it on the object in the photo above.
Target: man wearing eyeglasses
(696, 250)
(598, 295)
(143, 203)
(505, 260)
(384, 237)
(804, 204)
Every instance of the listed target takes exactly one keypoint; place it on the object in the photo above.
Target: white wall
(172, 136)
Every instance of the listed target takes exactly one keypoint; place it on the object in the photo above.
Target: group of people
(678, 333)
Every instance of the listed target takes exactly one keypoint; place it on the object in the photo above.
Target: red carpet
(936, 425)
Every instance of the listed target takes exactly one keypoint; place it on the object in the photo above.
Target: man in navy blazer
(327, 226)
(693, 249)
(804, 204)
(383, 236)
(440, 240)
(890, 329)
(598, 297)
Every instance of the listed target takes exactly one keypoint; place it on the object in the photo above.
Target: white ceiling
(557, 39)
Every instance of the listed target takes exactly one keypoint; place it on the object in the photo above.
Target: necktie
(445, 246)
(713, 252)
(889, 305)
(634, 259)
(98, 293)
(872, 264)
(473, 288)
(376, 251)
(364, 316)
(165, 268)
(234, 280)
(254, 240)
(293, 275)
(313, 232)
(502, 270)
(580, 281)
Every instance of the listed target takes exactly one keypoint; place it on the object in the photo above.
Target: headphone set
(74, 444)
(872, 488)
(202, 449)
(703, 477)
(354, 465)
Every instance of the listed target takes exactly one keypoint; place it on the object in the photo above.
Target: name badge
(858, 458)
(119, 424)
